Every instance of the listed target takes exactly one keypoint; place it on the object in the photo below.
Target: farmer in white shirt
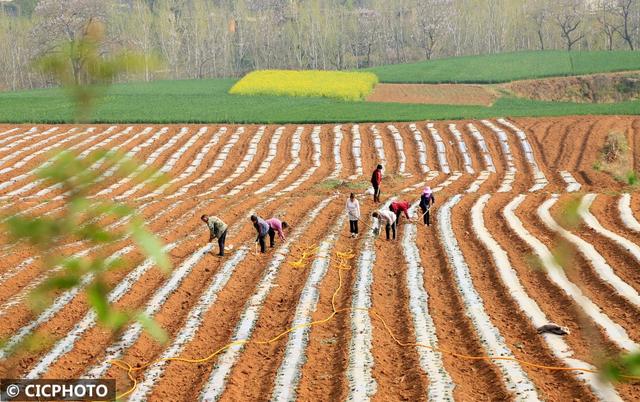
(353, 213)
(389, 219)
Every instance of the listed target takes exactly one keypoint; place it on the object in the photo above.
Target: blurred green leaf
(563, 253)
(81, 219)
(76, 265)
(97, 297)
(121, 210)
(144, 174)
(78, 205)
(570, 215)
(624, 365)
(86, 72)
(96, 234)
(111, 263)
(534, 262)
(127, 166)
(117, 319)
(37, 231)
(61, 282)
(107, 207)
(152, 328)
(36, 343)
(151, 245)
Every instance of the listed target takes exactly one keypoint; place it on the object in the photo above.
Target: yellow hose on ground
(341, 260)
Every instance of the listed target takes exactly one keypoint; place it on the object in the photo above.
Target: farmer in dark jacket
(262, 228)
(426, 201)
(376, 180)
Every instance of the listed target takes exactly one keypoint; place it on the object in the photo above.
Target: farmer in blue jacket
(262, 228)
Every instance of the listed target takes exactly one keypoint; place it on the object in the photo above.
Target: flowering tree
(64, 22)
(73, 51)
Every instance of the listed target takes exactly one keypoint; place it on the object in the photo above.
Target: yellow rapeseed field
(346, 86)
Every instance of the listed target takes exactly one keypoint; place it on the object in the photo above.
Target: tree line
(227, 38)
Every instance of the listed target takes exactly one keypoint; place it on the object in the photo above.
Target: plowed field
(411, 314)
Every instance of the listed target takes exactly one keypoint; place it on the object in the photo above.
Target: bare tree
(538, 12)
(568, 15)
(143, 18)
(624, 9)
(607, 21)
(365, 36)
(397, 13)
(225, 38)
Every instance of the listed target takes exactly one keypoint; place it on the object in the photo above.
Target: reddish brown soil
(398, 372)
(438, 94)
(570, 143)
(507, 316)
(589, 341)
(580, 272)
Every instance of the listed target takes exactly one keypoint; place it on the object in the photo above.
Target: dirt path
(606, 210)
(285, 296)
(411, 149)
(453, 155)
(197, 224)
(432, 154)
(493, 151)
(322, 376)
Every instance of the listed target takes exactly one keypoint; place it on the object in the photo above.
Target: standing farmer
(426, 201)
(353, 213)
(398, 207)
(262, 228)
(276, 225)
(217, 230)
(389, 219)
(376, 180)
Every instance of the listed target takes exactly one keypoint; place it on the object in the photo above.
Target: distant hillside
(506, 67)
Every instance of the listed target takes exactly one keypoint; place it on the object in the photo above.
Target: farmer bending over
(217, 230)
(276, 225)
(389, 219)
(262, 228)
(398, 207)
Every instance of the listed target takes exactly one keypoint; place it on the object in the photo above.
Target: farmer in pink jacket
(276, 225)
